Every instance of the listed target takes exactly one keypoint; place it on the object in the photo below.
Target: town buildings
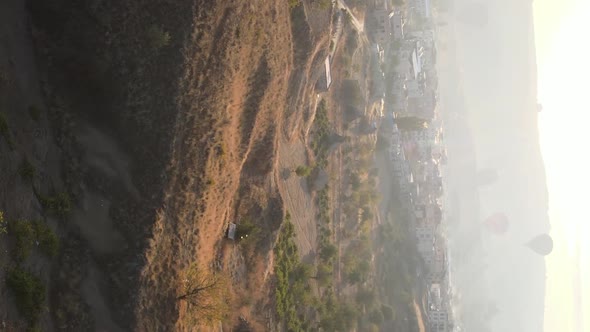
(418, 154)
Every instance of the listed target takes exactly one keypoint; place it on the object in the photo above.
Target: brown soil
(421, 327)
(160, 149)
(240, 82)
(296, 196)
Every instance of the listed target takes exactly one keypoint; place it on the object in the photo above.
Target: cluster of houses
(417, 157)
(406, 37)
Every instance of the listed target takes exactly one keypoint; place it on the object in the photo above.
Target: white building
(397, 25)
(439, 321)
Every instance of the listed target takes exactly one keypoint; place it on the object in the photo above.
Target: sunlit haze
(295, 165)
(563, 68)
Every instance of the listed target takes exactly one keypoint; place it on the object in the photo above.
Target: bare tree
(206, 295)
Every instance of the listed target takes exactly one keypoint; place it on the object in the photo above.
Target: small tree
(303, 171)
(328, 252)
(324, 275)
(302, 272)
(205, 295)
(353, 277)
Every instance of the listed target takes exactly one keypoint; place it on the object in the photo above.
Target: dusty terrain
(159, 147)
(164, 122)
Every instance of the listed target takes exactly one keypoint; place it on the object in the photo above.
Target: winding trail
(358, 25)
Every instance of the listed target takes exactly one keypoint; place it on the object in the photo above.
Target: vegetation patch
(327, 250)
(303, 171)
(246, 231)
(46, 238)
(29, 234)
(337, 315)
(206, 296)
(321, 135)
(157, 37)
(24, 237)
(294, 3)
(293, 291)
(60, 204)
(28, 292)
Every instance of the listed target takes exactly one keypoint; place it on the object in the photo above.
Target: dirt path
(358, 25)
(421, 327)
(295, 193)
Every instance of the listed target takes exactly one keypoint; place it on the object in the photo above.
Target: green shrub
(46, 238)
(324, 4)
(294, 3)
(24, 236)
(246, 229)
(60, 205)
(292, 288)
(328, 252)
(28, 292)
(157, 37)
(26, 170)
(27, 234)
(322, 131)
(35, 112)
(303, 171)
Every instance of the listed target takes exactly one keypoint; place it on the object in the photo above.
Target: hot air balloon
(541, 244)
(497, 223)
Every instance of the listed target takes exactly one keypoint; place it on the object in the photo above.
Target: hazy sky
(563, 58)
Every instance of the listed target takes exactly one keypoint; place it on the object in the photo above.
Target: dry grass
(232, 95)
(200, 103)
